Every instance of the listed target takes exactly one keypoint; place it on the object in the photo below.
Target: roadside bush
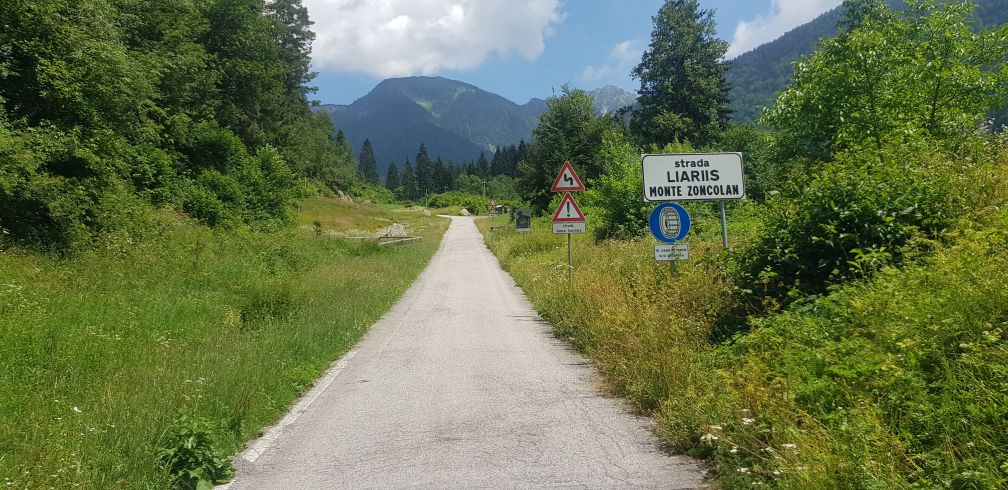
(192, 455)
(859, 214)
(56, 190)
(615, 197)
(764, 172)
(453, 199)
(374, 194)
(907, 374)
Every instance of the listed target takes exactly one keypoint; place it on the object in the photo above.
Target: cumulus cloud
(622, 57)
(387, 38)
(784, 15)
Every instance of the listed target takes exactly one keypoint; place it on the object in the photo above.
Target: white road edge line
(271, 435)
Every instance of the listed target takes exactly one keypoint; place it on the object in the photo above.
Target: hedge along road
(461, 385)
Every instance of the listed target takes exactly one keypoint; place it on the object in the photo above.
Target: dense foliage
(879, 128)
(758, 76)
(567, 131)
(893, 76)
(107, 106)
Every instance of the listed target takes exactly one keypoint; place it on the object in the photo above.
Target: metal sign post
(570, 259)
(568, 218)
(724, 227)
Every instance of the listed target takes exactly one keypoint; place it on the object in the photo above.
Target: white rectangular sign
(693, 177)
(569, 228)
(668, 253)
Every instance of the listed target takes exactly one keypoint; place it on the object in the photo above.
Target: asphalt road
(461, 385)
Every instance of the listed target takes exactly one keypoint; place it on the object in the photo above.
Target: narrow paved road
(461, 385)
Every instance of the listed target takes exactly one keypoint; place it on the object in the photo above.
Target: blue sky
(518, 49)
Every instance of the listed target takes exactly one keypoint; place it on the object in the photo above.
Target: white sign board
(693, 177)
(668, 253)
(569, 227)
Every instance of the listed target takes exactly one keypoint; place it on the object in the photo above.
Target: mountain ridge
(455, 120)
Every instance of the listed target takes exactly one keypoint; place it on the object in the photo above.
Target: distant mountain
(611, 99)
(756, 77)
(453, 119)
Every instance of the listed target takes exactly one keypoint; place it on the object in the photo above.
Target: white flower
(76, 410)
(734, 449)
(708, 437)
(776, 472)
(748, 421)
(743, 470)
(789, 446)
(715, 427)
(768, 449)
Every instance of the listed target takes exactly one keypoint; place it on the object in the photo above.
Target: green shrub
(910, 368)
(615, 197)
(453, 199)
(859, 214)
(374, 194)
(622, 212)
(764, 171)
(192, 456)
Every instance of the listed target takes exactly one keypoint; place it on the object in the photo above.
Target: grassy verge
(894, 383)
(104, 352)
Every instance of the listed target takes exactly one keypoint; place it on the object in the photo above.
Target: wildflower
(76, 410)
(748, 421)
(715, 427)
(708, 437)
(743, 470)
(733, 450)
(789, 445)
(768, 449)
(776, 472)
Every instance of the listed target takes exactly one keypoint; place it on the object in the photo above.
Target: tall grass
(101, 352)
(895, 382)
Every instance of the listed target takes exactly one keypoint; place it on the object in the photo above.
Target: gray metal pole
(570, 262)
(724, 227)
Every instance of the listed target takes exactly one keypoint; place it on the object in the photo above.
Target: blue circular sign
(670, 222)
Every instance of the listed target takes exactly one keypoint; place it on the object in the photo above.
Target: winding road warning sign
(567, 180)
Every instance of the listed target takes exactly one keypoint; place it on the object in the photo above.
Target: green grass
(896, 382)
(101, 352)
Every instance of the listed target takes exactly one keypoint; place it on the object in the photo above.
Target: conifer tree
(424, 172)
(367, 167)
(392, 177)
(409, 183)
(683, 94)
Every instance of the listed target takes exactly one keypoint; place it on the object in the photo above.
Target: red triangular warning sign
(568, 212)
(567, 180)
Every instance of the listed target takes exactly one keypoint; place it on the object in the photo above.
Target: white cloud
(622, 57)
(387, 38)
(784, 15)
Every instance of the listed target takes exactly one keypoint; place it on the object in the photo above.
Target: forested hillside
(453, 119)
(756, 77)
(108, 107)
